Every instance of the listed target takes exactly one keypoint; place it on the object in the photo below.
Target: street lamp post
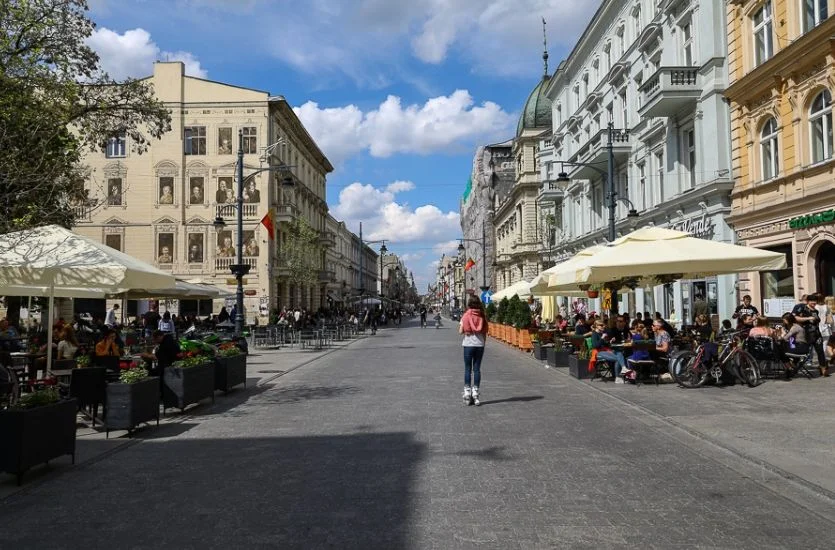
(611, 196)
(240, 269)
(482, 243)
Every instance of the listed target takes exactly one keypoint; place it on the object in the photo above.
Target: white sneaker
(476, 402)
(618, 380)
(468, 396)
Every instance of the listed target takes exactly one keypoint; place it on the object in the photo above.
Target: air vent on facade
(228, 111)
(207, 111)
(250, 110)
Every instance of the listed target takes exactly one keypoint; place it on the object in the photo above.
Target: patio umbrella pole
(49, 328)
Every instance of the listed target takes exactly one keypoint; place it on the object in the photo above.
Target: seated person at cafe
(619, 333)
(9, 337)
(68, 344)
(165, 353)
(745, 323)
(662, 337)
(600, 343)
(761, 329)
(703, 328)
(40, 362)
(581, 327)
(560, 323)
(107, 346)
(727, 328)
(793, 336)
(639, 334)
(668, 328)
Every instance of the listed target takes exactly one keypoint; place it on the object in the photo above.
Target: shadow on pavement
(512, 399)
(347, 491)
(490, 453)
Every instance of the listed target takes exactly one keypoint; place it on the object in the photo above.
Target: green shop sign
(827, 216)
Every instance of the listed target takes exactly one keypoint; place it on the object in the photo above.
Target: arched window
(820, 126)
(769, 150)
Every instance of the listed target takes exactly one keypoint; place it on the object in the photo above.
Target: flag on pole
(267, 221)
(469, 265)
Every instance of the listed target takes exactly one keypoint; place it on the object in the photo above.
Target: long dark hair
(473, 302)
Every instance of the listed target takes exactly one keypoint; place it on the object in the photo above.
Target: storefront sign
(701, 227)
(827, 216)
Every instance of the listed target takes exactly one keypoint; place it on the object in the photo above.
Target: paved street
(370, 447)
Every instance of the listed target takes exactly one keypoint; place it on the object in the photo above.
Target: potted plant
(558, 355)
(82, 361)
(522, 323)
(132, 401)
(230, 367)
(539, 349)
(37, 428)
(188, 380)
(578, 365)
(491, 312)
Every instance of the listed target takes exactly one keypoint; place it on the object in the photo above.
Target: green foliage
(502, 313)
(189, 362)
(82, 361)
(56, 104)
(519, 314)
(298, 253)
(134, 375)
(228, 349)
(491, 311)
(38, 398)
(584, 352)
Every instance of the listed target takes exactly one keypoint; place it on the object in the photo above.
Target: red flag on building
(469, 265)
(267, 221)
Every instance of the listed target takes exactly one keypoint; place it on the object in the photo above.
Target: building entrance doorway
(825, 268)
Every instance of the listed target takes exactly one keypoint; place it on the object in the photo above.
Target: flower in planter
(133, 375)
(188, 361)
(228, 349)
(82, 361)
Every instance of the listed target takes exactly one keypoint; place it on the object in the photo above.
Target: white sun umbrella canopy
(541, 285)
(520, 288)
(52, 257)
(655, 251)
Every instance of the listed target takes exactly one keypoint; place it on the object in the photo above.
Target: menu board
(776, 307)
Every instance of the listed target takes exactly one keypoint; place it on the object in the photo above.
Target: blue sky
(398, 94)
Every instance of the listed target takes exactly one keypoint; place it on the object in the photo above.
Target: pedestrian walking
(473, 326)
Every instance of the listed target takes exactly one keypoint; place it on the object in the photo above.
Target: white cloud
(400, 186)
(440, 125)
(447, 247)
(133, 53)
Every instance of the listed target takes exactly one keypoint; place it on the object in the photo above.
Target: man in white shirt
(110, 321)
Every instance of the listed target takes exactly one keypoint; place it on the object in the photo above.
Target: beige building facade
(160, 206)
(782, 74)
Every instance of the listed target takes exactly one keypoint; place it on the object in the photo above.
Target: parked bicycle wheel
(688, 372)
(747, 368)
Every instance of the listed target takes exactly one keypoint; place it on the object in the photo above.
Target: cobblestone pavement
(370, 447)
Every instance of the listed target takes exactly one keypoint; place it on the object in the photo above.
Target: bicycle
(732, 359)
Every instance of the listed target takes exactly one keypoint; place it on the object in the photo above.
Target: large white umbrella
(655, 251)
(540, 285)
(52, 257)
(520, 288)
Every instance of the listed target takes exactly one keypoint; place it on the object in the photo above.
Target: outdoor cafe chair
(89, 386)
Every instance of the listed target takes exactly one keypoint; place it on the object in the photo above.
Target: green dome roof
(537, 111)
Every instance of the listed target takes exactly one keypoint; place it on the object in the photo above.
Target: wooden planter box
(514, 336)
(36, 436)
(578, 368)
(540, 351)
(184, 386)
(230, 372)
(524, 339)
(129, 405)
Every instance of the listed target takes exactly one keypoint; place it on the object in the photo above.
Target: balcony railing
(327, 238)
(249, 210)
(223, 264)
(285, 213)
(83, 213)
(595, 152)
(669, 91)
(550, 192)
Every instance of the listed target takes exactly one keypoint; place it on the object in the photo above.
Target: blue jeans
(616, 356)
(472, 360)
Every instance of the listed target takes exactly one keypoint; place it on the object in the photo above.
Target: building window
(778, 284)
(116, 146)
(690, 151)
(768, 150)
(820, 120)
(624, 108)
(687, 44)
(659, 164)
(814, 13)
(607, 51)
(763, 40)
(194, 140)
(642, 184)
(250, 140)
